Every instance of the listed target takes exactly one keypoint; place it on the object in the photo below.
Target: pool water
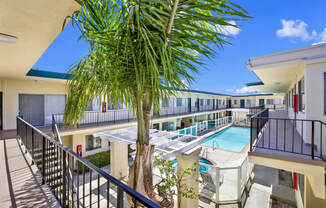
(233, 138)
(202, 168)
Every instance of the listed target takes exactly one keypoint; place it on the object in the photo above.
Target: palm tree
(140, 51)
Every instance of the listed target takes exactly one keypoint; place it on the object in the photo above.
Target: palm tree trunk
(140, 173)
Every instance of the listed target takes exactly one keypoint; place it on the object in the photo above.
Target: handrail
(119, 115)
(296, 136)
(125, 188)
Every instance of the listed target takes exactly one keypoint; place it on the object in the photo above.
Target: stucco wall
(12, 88)
(314, 81)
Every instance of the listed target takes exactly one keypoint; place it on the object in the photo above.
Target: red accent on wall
(295, 103)
(295, 181)
(103, 107)
(79, 150)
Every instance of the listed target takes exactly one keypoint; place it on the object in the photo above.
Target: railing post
(26, 140)
(64, 174)
(43, 159)
(114, 116)
(32, 146)
(119, 197)
(312, 140)
(251, 134)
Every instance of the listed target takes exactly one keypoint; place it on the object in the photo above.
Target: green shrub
(100, 159)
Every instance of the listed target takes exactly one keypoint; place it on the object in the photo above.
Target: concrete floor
(20, 182)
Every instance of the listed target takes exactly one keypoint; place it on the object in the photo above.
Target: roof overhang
(36, 24)
(278, 71)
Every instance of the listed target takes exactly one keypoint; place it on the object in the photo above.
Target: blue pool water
(233, 138)
(202, 168)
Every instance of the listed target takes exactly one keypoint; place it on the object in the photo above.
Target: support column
(310, 199)
(188, 160)
(119, 159)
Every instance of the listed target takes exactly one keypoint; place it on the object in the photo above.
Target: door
(242, 103)
(189, 105)
(198, 105)
(1, 123)
(228, 104)
(31, 107)
(261, 102)
(165, 126)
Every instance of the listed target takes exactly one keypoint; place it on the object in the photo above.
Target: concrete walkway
(19, 181)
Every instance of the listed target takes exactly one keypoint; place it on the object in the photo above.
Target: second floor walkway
(21, 182)
(292, 138)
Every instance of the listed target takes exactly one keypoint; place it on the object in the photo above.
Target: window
(168, 126)
(93, 142)
(208, 102)
(167, 103)
(180, 102)
(201, 102)
(219, 101)
(235, 102)
(270, 101)
(301, 95)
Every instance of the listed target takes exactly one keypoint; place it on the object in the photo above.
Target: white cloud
(321, 38)
(242, 90)
(228, 29)
(298, 29)
(323, 35)
(294, 28)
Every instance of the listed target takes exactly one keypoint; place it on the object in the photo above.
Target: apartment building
(41, 95)
(294, 140)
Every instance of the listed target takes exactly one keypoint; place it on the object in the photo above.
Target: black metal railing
(126, 115)
(297, 136)
(55, 161)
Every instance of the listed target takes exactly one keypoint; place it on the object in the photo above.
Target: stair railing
(54, 173)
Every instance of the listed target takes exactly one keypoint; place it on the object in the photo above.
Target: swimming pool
(202, 168)
(233, 138)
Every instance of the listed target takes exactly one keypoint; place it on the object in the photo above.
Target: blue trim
(252, 95)
(48, 74)
(254, 84)
(199, 91)
(67, 76)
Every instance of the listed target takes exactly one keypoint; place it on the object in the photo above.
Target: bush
(100, 159)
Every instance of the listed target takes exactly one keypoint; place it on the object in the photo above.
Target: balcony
(279, 135)
(294, 145)
(121, 116)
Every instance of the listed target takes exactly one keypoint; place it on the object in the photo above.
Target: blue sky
(277, 25)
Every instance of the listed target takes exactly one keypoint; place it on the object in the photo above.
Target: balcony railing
(298, 137)
(255, 109)
(126, 115)
(56, 162)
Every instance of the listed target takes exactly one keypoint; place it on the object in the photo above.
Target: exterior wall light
(7, 38)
